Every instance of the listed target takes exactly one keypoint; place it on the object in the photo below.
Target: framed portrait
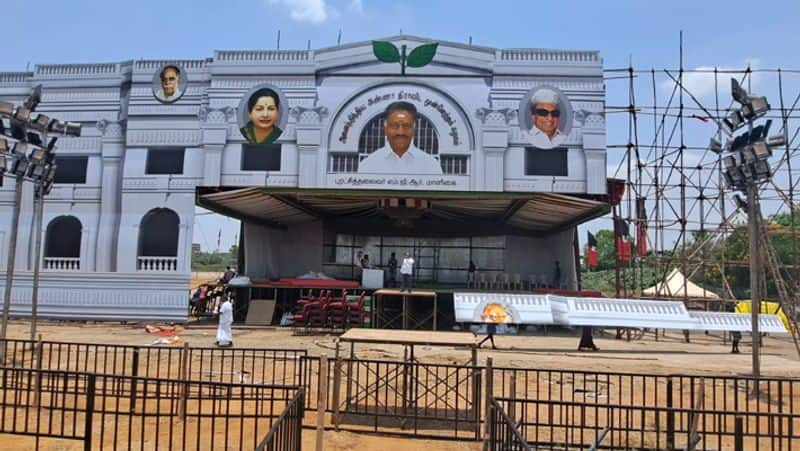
(546, 114)
(169, 82)
(262, 114)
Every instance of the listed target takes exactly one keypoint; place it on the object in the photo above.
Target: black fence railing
(599, 388)
(111, 412)
(575, 425)
(286, 433)
(503, 433)
(275, 366)
(400, 397)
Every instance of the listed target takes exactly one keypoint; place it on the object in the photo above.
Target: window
(164, 161)
(71, 169)
(546, 162)
(260, 157)
(63, 238)
(158, 234)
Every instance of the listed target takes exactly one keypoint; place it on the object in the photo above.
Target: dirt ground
(705, 355)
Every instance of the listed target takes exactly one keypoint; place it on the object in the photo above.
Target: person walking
(406, 270)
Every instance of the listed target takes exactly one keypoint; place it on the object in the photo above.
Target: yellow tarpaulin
(770, 307)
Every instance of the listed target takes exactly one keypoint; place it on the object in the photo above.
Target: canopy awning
(443, 213)
(677, 286)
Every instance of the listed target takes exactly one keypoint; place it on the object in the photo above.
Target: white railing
(157, 264)
(62, 264)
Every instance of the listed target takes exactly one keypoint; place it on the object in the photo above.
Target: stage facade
(452, 152)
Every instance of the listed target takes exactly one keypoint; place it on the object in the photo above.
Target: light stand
(746, 168)
(37, 166)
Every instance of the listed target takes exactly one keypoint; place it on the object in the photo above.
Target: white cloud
(311, 11)
(356, 6)
(701, 81)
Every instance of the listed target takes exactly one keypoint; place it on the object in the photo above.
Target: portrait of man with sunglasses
(546, 118)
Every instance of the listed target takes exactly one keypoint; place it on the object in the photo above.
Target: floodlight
(66, 128)
(748, 155)
(733, 121)
(21, 163)
(36, 168)
(41, 122)
(761, 150)
(756, 108)
(51, 146)
(34, 98)
(17, 132)
(730, 162)
(776, 141)
(38, 156)
(740, 203)
(737, 92)
(3, 164)
(3, 145)
(762, 169)
(715, 146)
(34, 138)
(22, 114)
(6, 108)
(747, 171)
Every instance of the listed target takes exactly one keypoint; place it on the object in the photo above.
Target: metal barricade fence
(101, 411)
(286, 433)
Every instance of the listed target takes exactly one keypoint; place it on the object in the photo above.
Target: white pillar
(105, 242)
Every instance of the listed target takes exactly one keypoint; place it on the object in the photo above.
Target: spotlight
(51, 146)
(730, 162)
(3, 163)
(65, 128)
(21, 163)
(3, 145)
(38, 156)
(747, 171)
(737, 92)
(740, 203)
(715, 146)
(728, 179)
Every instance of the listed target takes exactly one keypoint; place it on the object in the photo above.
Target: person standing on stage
(224, 330)
(406, 270)
(392, 270)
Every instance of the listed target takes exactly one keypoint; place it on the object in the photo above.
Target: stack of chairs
(337, 312)
(312, 312)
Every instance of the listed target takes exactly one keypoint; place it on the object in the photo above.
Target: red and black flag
(622, 239)
(641, 227)
(592, 259)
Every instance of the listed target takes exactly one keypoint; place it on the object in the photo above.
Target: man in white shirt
(399, 155)
(224, 332)
(546, 117)
(406, 270)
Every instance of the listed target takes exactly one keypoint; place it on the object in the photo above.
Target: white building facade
(117, 229)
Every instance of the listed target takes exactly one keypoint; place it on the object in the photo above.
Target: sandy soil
(706, 354)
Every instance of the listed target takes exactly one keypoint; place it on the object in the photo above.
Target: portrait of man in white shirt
(546, 118)
(170, 89)
(400, 155)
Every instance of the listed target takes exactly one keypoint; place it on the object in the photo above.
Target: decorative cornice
(164, 137)
(281, 82)
(309, 116)
(500, 116)
(84, 95)
(15, 77)
(83, 143)
(162, 110)
(76, 70)
(518, 83)
(150, 65)
(239, 56)
(147, 91)
(549, 56)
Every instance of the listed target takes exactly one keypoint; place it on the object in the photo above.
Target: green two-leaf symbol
(422, 55)
(385, 51)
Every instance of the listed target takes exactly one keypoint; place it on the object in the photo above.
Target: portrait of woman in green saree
(263, 116)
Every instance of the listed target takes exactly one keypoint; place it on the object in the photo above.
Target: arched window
(158, 233)
(63, 238)
(373, 136)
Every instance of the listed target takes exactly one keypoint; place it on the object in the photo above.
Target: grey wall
(529, 255)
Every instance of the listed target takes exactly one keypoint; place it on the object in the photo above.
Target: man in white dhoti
(224, 333)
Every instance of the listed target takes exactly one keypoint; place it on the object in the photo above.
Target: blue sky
(716, 33)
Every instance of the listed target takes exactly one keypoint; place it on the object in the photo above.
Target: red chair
(356, 312)
(337, 311)
(305, 300)
(317, 312)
